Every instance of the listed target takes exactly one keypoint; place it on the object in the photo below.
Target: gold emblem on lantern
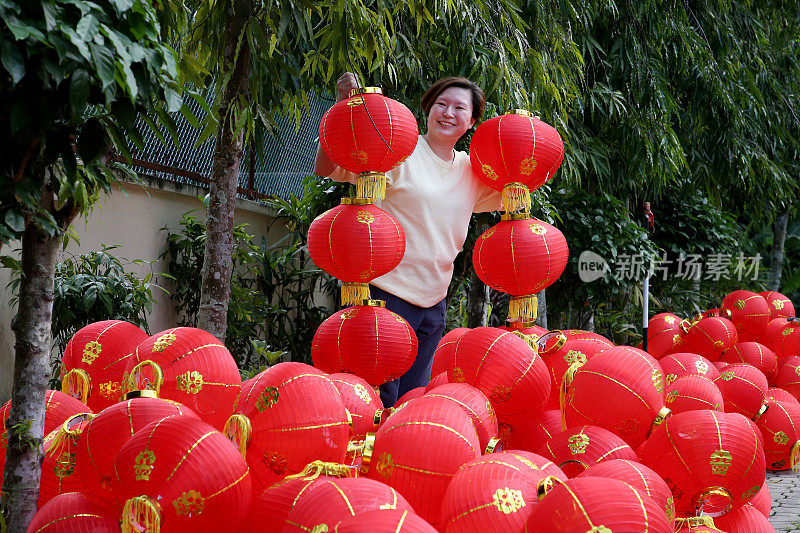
(727, 376)
(752, 491)
(189, 503)
(355, 101)
(163, 342)
(143, 465)
(629, 425)
(599, 529)
(508, 500)
(719, 344)
(739, 304)
(458, 375)
(577, 443)
(362, 393)
(797, 370)
(320, 528)
(787, 331)
(365, 217)
(527, 166)
(191, 382)
(275, 462)
(670, 509)
(489, 172)
(670, 378)
(778, 304)
(359, 156)
(111, 389)
(91, 352)
(671, 395)
(268, 398)
(65, 465)
(574, 356)
(502, 393)
(658, 380)
(780, 438)
(489, 408)
(669, 319)
(720, 462)
(677, 339)
(385, 466)
(367, 275)
(701, 367)
(488, 233)
(538, 229)
(717, 407)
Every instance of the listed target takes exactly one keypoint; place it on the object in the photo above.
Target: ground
(785, 490)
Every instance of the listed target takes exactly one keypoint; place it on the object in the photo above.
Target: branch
(24, 163)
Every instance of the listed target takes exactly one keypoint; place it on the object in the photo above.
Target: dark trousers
(428, 323)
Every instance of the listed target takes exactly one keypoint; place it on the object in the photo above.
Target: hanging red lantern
(711, 461)
(58, 466)
(782, 395)
(368, 134)
(677, 365)
(756, 354)
(597, 504)
(189, 366)
(107, 432)
(664, 334)
(436, 381)
(577, 448)
(788, 377)
(356, 242)
(779, 305)
(782, 336)
(385, 521)
(749, 313)
(780, 428)
(515, 153)
(745, 519)
(75, 512)
(367, 340)
(533, 434)
(631, 384)
(520, 256)
(417, 392)
(180, 474)
(526, 327)
(360, 400)
(94, 361)
(474, 403)
(269, 509)
(443, 356)
(744, 389)
(419, 448)
(710, 337)
(495, 493)
(691, 392)
(762, 500)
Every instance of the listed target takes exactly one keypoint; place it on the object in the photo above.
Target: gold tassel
(516, 198)
(794, 458)
(523, 308)
(321, 468)
(371, 185)
(694, 521)
(60, 438)
(239, 430)
(530, 339)
(77, 383)
(354, 293)
(133, 383)
(141, 514)
(566, 381)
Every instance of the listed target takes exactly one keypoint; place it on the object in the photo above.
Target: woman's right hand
(344, 84)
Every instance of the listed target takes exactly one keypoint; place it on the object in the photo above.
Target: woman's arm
(323, 166)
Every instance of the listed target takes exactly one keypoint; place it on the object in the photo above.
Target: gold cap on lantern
(355, 201)
(366, 456)
(365, 90)
(139, 394)
(546, 485)
(663, 414)
(493, 444)
(523, 112)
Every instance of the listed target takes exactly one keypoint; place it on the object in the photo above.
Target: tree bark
(541, 311)
(477, 302)
(777, 255)
(215, 289)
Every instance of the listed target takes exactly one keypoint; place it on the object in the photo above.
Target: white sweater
(433, 200)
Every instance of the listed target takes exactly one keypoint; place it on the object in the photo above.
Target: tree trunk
(541, 311)
(477, 302)
(215, 288)
(777, 255)
(33, 329)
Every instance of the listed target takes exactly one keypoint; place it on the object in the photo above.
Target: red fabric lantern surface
(181, 472)
(561, 349)
(419, 448)
(710, 337)
(689, 393)
(189, 366)
(528, 328)
(782, 336)
(744, 389)
(745, 519)
(587, 504)
(75, 512)
(534, 433)
(369, 341)
(520, 256)
(474, 403)
(677, 365)
(756, 354)
(108, 431)
(94, 361)
(788, 377)
(495, 492)
(664, 334)
(709, 459)
(385, 521)
(782, 395)
(417, 392)
(58, 467)
(297, 416)
(749, 313)
(762, 500)
(780, 428)
(331, 500)
(577, 448)
(779, 305)
(631, 384)
(269, 510)
(360, 400)
(443, 356)
(437, 380)
(638, 476)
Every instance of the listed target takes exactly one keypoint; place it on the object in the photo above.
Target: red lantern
(664, 334)
(58, 467)
(689, 393)
(436, 381)
(189, 366)
(749, 313)
(789, 376)
(597, 504)
(369, 341)
(516, 153)
(578, 448)
(180, 474)
(417, 392)
(677, 365)
(710, 337)
(755, 354)
(360, 400)
(329, 501)
(533, 434)
(419, 448)
(75, 512)
(385, 521)
(269, 510)
(107, 432)
(782, 395)
(520, 256)
(782, 336)
(744, 389)
(94, 361)
(368, 134)
(495, 493)
(745, 519)
(780, 428)
(528, 328)
(356, 242)
(711, 461)
(631, 386)
(474, 403)
(443, 356)
(779, 305)
(638, 476)
(762, 500)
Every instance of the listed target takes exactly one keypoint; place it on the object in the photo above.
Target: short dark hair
(442, 84)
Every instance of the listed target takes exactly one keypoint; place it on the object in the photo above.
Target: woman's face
(451, 115)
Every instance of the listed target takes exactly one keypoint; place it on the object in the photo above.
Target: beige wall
(133, 219)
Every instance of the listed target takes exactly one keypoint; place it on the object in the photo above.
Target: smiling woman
(432, 194)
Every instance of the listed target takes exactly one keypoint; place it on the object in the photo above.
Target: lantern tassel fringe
(141, 515)
(321, 468)
(694, 521)
(77, 382)
(371, 185)
(353, 293)
(794, 457)
(523, 307)
(238, 429)
(516, 198)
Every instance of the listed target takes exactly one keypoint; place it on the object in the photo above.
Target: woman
(432, 194)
